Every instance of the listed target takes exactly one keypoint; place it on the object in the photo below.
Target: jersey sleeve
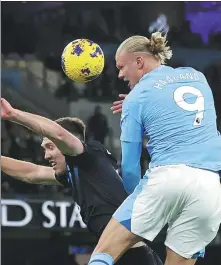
(130, 165)
(131, 125)
(131, 145)
(92, 151)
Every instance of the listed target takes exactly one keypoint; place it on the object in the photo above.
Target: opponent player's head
(73, 125)
(139, 55)
(52, 153)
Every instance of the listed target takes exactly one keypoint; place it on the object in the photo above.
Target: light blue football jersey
(175, 109)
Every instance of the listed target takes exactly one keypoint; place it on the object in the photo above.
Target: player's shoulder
(97, 149)
(152, 76)
(145, 83)
(188, 69)
(192, 73)
(95, 145)
(90, 150)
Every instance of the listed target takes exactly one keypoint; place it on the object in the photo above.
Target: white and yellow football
(82, 60)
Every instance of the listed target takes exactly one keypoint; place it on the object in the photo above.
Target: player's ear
(140, 62)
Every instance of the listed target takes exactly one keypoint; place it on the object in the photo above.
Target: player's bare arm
(64, 140)
(28, 172)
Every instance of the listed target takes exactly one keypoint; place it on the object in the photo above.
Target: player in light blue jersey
(174, 108)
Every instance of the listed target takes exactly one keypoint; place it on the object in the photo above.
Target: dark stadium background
(33, 37)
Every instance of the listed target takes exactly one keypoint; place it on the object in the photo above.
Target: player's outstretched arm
(28, 172)
(65, 141)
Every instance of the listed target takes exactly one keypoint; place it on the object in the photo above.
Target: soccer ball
(82, 60)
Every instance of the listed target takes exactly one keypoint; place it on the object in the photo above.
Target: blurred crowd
(103, 89)
(19, 143)
(213, 75)
(51, 29)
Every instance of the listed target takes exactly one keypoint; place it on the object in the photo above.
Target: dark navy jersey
(99, 191)
(97, 186)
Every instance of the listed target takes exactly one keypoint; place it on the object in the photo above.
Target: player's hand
(7, 110)
(117, 105)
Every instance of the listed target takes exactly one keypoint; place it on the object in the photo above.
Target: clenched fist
(7, 110)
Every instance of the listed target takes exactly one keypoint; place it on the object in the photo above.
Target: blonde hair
(156, 45)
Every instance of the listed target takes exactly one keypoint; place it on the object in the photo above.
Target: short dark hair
(73, 125)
